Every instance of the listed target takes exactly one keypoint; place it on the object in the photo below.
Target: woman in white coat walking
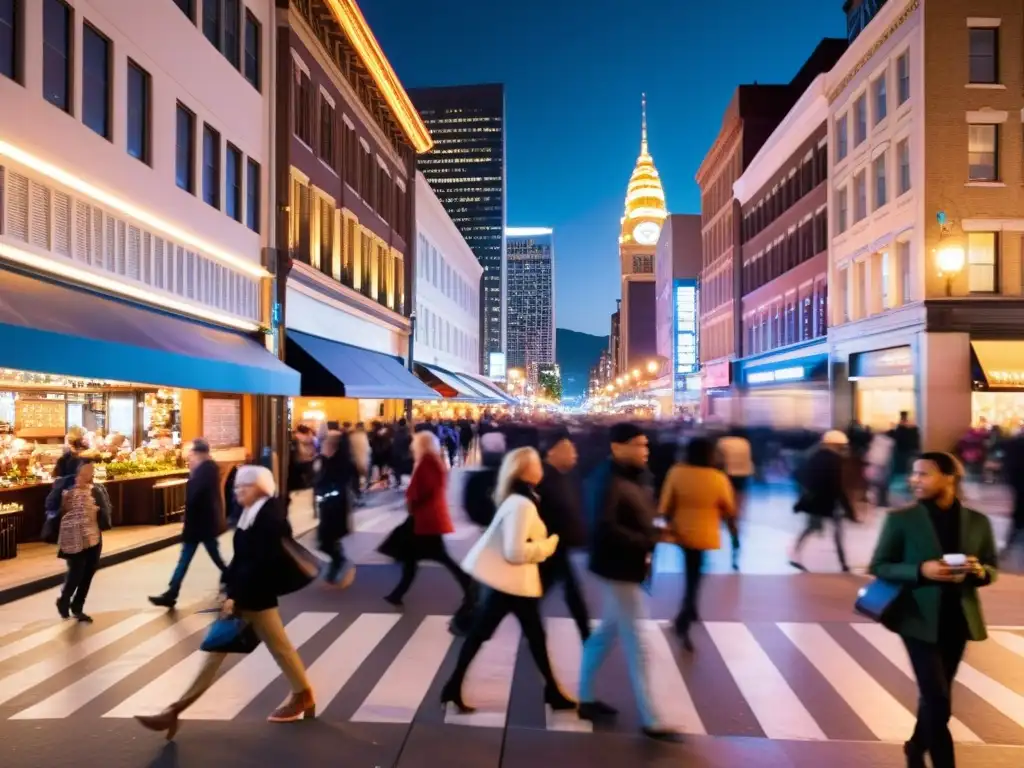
(504, 560)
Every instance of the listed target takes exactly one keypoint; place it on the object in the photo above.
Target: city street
(783, 673)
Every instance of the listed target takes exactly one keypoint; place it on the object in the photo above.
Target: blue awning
(486, 394)
(489, 386)
(48, 327)
(448, 385)
(333, 369)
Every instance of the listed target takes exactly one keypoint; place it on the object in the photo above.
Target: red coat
(427, 498)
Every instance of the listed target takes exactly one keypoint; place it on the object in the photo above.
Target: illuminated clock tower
(638, 238)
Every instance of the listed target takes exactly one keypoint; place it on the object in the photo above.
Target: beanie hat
(623, 433)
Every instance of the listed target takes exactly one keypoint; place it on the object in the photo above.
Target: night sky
(573, 81)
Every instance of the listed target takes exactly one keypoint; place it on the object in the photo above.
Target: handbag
(878, 600)
(400, 542)
(301, 569)
(230, 634)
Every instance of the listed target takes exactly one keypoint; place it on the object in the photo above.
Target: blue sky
(574, 71)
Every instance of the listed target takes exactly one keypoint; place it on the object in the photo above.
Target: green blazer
(908, 539)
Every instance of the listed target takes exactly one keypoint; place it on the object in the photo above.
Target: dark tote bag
(230, 635)
(878, 600)
(400, 543)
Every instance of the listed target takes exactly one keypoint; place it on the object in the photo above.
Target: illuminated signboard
(782, 374)
(685, 349)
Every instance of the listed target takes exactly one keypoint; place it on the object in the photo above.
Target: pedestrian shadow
(168, 757)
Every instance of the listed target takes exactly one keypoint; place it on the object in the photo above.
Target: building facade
(925, 196)
(133, 215)
(346, 137)
(466, 169)
(640, 227)
(531, 299)
(783, 373)
(677, 264)
(447, 289)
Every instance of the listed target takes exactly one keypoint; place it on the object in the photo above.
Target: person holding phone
(941, 552)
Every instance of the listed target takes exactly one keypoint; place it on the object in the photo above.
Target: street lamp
(652, 367)
(951, 261)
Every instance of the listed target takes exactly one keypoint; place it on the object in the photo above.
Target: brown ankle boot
(165, 722)
(298, 706)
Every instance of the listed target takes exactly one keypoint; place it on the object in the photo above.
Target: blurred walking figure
(738, 464)
(359, 447)
(204, 518)
(85, 512)
(252, 584)
(622, 540)
(824, 495)
(695, 501)
(505, 561)
(560, 511)
(428, 521)
(332, 492)
(940, 552)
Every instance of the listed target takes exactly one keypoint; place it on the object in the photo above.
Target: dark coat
(823, 480)
(331, 488)
(623, 534)
(232, 508)
(560, 507)
(907, 540)
(254, 577)
(204, 504)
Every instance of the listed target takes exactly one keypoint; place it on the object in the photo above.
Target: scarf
(248, 516)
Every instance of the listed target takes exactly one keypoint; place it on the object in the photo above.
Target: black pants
(430, 548)
(694, 566)
(935, 666)
(494, 607)
(334, 550)
(81, 568)
(816, 524)
(558, 569)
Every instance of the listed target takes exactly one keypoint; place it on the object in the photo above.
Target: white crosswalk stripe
(384, 668)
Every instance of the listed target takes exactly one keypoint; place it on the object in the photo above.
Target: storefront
(884, 385)
(787, 391)
(718, 396)
(133, 385)
(997, 378)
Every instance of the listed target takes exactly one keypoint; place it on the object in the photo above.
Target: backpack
(478, 498)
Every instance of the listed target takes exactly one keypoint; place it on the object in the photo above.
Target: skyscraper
(642, 220)
(531, 298)
(466, 170)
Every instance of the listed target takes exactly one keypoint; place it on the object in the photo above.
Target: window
(187, 7)
(138, 112)
(903, 259)
(232, 48)
(253, 51)
(807, 318)
(233, 183)
(326, 237)
(880, 188)
(984, 55)
(845, 289)
(860, 120)
(983, 152)
(57, 54)
(860, 196)
(326, 131)
(185, 149)
(886, 272)
(903, 78)
(252, 195)
(842, 144)
(303, 106)
(842, 210)
(982, 274)
(821, 322)
(880, 98)
(213, 21)
(903, 161)
(10, 48)
(211, 167)
(96, 81)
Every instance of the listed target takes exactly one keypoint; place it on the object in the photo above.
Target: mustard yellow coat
(694, 502)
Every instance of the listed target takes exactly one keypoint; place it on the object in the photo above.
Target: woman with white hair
(505, 560)
(252, 584)
(427, 501)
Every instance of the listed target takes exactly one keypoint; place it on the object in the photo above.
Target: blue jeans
(188, 551)
(622, 611)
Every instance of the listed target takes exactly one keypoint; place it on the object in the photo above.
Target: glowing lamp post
(951, 261)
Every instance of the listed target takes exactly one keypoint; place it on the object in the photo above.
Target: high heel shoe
(557, 700)
(166, 722)
(298, 707)
(453, 695)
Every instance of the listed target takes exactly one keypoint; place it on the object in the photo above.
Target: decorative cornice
(898, 22)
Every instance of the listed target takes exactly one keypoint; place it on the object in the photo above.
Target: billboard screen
(496, 366)
(684, 350)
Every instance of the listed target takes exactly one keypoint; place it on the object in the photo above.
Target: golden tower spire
(643, 123)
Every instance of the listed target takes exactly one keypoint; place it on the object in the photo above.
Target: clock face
(646, 233)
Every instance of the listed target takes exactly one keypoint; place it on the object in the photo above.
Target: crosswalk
(787, 680)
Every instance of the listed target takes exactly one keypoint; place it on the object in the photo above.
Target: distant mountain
(576, 354)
